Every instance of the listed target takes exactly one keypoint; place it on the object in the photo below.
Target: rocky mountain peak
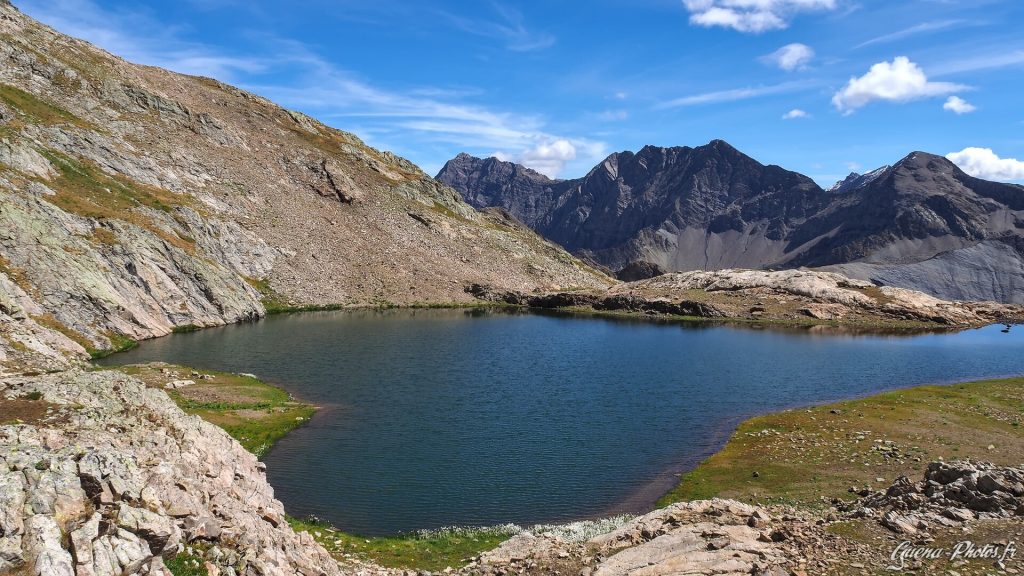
(845, 183)
(714, 207)
(855, 180)
(926, 161)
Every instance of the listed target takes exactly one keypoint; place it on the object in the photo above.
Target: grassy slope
(805, 457)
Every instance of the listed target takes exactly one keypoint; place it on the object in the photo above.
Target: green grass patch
(188, 562)
(255, 413)
(275, 303)
(433, 551)
(118, 343)
(185, 565)
(185, 329)
(805, 457)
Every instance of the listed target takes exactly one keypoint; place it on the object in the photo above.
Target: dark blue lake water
(450, 417)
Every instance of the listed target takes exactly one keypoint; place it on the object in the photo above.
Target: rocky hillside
(134, 200)
(921, 223)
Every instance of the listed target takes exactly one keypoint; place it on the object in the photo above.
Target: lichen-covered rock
(127, 476)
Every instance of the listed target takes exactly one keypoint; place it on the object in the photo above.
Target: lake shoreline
(657, 485)
(487, 300)
(656, 492)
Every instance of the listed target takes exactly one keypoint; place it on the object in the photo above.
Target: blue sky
(818, 86)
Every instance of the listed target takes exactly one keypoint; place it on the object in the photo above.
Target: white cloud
(794, 114)
(548, 158)
(984, 163)
(958, 105)
(790, 57)
(751, 15)
(898, 81)
(734, 94)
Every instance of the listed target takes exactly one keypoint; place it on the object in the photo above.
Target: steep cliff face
(921, 223)
(134, 200)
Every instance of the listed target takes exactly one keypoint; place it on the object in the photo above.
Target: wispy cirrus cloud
(992, 59)
(134, 37)
(735, 94)
(294, 75)
(917, 29)
(509, 28)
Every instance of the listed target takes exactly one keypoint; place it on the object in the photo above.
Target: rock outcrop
(921, 223)
(113, 479)
(639, 270)
(950, 494)
(702, 537)
(790, 295)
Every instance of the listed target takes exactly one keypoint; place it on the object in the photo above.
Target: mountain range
(920, 223)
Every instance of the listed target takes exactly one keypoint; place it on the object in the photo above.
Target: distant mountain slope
(134, 200)
(712, 207)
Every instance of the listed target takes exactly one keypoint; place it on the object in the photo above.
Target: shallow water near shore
(435, 418)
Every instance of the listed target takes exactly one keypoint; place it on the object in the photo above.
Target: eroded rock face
(129, 478)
